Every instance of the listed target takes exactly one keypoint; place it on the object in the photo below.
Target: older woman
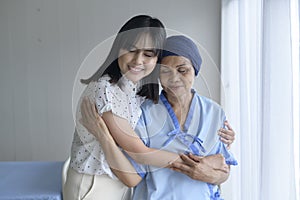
(182, 121)
(186, 123)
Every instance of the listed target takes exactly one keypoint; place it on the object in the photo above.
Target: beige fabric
(92, 187)
(65, 171)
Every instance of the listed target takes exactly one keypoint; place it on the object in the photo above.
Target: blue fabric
(31, 180)
(179, 45)
(138, 167)
(159, 124)
(183, 134)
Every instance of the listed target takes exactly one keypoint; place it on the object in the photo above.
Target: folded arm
(211, 169)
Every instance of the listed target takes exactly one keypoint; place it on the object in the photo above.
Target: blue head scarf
(179, 45)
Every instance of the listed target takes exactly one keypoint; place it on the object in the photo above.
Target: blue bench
(31, 180)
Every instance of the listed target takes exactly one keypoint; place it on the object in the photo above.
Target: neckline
(173, 115)
(127, 86)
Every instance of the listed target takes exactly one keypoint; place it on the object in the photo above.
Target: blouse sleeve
(91, 150)
(109, 97)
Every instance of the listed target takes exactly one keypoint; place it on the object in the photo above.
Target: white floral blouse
(121, 99)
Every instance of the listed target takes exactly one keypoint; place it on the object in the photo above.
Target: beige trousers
(93, 187)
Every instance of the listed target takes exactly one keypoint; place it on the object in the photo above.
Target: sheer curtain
(260, 80)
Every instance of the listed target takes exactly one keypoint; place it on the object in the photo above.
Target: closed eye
(149, 53)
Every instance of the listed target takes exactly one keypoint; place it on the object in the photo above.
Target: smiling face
(177, 75)
(138, 60)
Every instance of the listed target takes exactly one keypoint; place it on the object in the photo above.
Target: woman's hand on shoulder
(227, 136)
(92, 121)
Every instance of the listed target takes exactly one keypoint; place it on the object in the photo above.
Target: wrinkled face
(139, 60)
(177, 75)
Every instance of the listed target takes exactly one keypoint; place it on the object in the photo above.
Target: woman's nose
(174, 76)
(138, 58)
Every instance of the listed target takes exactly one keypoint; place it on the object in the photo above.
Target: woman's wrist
(103, 136)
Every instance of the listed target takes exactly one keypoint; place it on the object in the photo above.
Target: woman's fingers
(187, 160)
(180, 167)
(226, 139)
(88, 109)
(228, 125)
(194, 157)
(186, 166)
(84, 109)
(227, 136)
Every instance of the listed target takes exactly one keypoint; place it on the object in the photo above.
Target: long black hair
(126, 37)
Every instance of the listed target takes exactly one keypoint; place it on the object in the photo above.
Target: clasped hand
(201, 168)
(92, 121)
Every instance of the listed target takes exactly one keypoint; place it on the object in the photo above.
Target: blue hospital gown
(159, 128)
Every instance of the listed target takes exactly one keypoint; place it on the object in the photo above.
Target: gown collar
(183, 135)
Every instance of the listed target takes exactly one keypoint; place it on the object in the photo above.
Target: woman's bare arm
(117, 161)
(126, 138)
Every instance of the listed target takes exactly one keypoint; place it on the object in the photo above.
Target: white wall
(42, 44)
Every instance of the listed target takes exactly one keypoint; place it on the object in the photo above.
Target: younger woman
(118, 92)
